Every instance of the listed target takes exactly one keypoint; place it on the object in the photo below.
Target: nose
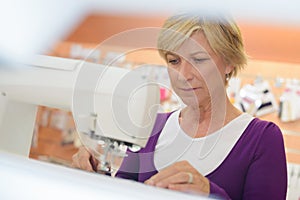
(185, 71)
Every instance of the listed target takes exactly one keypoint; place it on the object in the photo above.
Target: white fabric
(205, 153)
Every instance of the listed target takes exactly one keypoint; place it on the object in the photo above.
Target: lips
(189, 89)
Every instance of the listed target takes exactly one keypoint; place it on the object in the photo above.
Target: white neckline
(175, 115)
(212, 149)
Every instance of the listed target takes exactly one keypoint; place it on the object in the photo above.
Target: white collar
(205, 153)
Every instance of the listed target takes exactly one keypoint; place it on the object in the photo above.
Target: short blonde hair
(222, 34)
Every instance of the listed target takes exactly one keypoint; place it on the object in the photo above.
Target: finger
(188, 188)
(73, 165)
(94, 163)
(75, 162)
(200, 185)
(160, 176)
(81, 160)
(168, 171)
(86, 165)
(179, 178)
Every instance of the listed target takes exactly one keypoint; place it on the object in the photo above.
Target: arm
(84, 160)
(217, 192)
(267, 175)
(130, 167)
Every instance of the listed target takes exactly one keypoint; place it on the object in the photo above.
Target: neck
(208, 119)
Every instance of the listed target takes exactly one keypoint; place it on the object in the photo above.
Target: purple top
(254, 169)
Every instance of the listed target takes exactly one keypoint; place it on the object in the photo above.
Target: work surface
(25, 178)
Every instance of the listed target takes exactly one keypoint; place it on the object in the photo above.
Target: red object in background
(163, 94)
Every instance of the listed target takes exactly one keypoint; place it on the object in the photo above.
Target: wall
(262, 41)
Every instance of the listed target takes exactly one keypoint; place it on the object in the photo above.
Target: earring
(227, 77)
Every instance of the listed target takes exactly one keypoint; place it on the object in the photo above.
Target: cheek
(205, 72)
(173, 75)
(211, 79)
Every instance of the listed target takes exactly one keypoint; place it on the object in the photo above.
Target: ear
(229, 68)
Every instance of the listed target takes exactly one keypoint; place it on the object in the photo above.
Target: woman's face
(197, 74)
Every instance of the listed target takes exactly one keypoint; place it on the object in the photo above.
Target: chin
(191, 102)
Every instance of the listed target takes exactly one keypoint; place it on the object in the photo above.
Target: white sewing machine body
(57, 82)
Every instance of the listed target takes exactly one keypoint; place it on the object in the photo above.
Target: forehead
(197, 42)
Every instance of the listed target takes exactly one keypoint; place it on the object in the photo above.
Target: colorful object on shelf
(257, 99)
(289, 109)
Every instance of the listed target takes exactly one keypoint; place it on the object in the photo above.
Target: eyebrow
(199, 52)
(171, 54)
(192, 54)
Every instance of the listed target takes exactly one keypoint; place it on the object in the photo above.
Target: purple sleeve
(217, 192)
(267, 175)
(130, 167)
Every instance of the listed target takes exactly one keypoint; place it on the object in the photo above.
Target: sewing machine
(112, 107)
(126, 100)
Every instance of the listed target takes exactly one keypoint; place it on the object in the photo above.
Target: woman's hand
(83, 159)
(181, 176)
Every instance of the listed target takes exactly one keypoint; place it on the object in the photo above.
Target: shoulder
(263, 134)
(266, 172)
(262, 128)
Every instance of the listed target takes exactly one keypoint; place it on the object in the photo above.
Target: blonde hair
(222, 34)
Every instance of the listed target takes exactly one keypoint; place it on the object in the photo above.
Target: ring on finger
(190, 180)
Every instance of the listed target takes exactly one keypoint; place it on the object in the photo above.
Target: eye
(173, 61)
(199, 60)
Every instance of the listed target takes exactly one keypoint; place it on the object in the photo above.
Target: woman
(209, 147)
